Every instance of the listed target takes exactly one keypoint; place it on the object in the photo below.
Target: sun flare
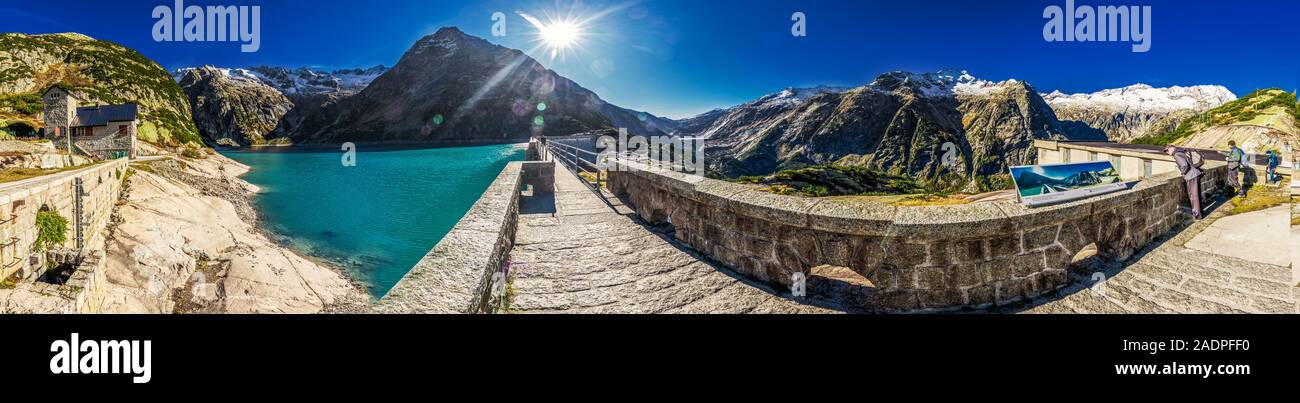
(560, 35)
(557, 34)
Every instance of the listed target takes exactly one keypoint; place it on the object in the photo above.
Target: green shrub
(833, 180)
(815, 191)
(52, 229)
(192, 152)
(26, 104)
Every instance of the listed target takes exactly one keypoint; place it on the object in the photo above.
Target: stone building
(101, 131)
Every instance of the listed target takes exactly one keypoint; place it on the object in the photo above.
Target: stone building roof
(65, 90)
(101, 115)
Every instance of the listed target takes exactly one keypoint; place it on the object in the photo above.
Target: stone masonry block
(1038, 238)
(967, 250)
(931, 278)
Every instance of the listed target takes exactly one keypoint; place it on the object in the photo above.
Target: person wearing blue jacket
(1273, 161)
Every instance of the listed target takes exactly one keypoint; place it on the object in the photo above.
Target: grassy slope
(103, 71)
(834, 180)
(1263, 108)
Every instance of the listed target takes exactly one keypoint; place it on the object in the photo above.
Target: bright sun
(560, 35)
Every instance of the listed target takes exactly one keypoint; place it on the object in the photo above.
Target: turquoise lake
(374, 220)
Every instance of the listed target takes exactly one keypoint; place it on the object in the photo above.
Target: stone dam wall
(456, 276)
(871, 255)
(888, 258)
(19, 203)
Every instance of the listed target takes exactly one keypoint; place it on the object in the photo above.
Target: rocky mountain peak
(939, 84)
(792, 95)
(451, 87)
(302, 81)
(898, 124)
(446, 42)
(233, 107)
(375, 71)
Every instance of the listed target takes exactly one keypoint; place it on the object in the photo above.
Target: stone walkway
(1170, 277)
(1258, 236)
(576, 254)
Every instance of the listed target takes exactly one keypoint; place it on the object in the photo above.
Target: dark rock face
(899, 124)
(455, 88)
(250, 106)
(230, 109)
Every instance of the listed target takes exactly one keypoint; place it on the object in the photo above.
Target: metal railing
(596, 164)
(578, 161)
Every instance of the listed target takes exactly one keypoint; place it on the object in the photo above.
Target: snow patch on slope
(940, 84)
(791, 96)
(302, 81)
(1145, 98)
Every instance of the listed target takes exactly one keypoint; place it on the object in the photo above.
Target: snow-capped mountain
(707, 124)
(233, 107)
(303, 81)
(898, 123)
(238, 106)
(1147, 98)
(1137, 110)
(797, 95)
(940, 84)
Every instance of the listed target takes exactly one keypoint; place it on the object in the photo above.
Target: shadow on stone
(668, 233)
(536, 203)
(1089, 266)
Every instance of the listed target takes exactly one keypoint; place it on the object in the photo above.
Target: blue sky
(680, 58)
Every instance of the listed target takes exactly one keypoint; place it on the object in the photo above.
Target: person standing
(1273, 161)
(1191, 175)
(1236, 158)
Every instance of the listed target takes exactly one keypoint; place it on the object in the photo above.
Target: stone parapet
(902, 258)
(456, 276)
(540, 175)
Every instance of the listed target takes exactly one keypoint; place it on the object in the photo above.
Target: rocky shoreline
(186, 239)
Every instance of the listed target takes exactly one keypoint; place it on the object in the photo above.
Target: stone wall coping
(22, 188)
(881, 219)
(456, 275)
(1054, 145)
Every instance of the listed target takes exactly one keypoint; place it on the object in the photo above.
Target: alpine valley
(451, 88)
(189, 235)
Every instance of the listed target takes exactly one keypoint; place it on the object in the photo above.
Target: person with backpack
(1273, 161)
(1236, 159)
(1189, 164)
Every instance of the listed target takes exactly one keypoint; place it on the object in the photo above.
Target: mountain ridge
(448, 87)
(1139, 110)
(898, 123)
